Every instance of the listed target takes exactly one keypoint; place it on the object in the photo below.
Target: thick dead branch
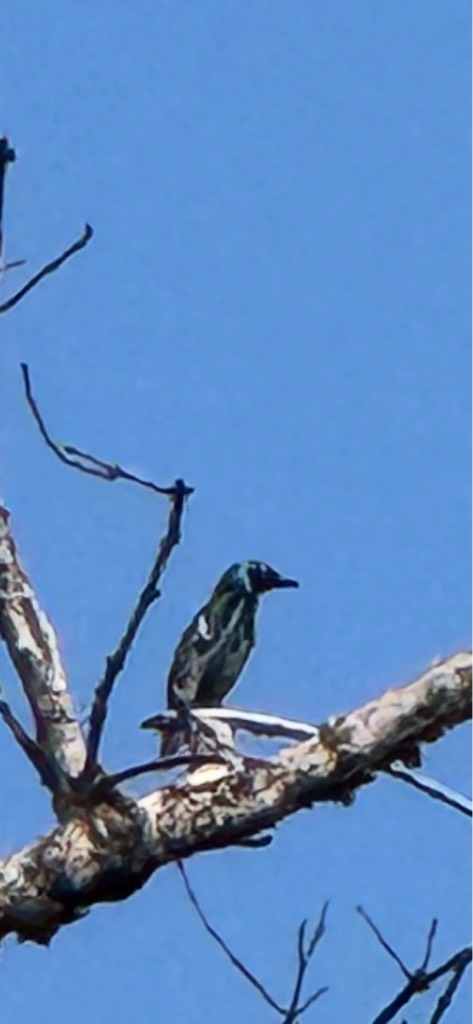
(49, 268)
(34, 652)
(108, 850)
(305, 952)
(83, 461)
(273, 726)
(116, 661)
(421, 979)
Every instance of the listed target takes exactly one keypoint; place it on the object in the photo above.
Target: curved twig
(83, 461)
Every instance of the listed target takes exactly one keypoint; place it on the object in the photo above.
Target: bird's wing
(195, 642)
(200, 642)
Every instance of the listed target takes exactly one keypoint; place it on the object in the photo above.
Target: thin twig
(430, 941)
(226, 949)
(90, 464)
(463, 958)
(407, 974)
(433, 788)
(108, 782)
(13, 265)
(305, 953)
(33, 751)
(116, 661)
(7, 156)
(48, 268)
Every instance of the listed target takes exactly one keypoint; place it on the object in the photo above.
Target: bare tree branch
(34, 652)
(382, 941)
(240, 966)
(33, 646)
(305, 953)
(421, 980)
(256, 722)
(37, 757)
(71, 868)
(429, 944)
(7, 156)
(83, 461)
(433, 788)
(104, 784)
(49, 268)
(291, 1013)
(116, 661)
(457, 965)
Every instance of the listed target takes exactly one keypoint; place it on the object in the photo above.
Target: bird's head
(253, 578)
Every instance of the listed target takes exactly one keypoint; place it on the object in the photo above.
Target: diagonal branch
(180, 820)
(256, 722)
(433, 788)
(273, 726)
(106, 783)
(37, 757)
(49, 268)
(457, 965)
(83, 461)
(33, 649)
(382, 941)
(421, 979)
(240, 966)
(116, 661)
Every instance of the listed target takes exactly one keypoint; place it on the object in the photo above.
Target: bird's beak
(277, 582)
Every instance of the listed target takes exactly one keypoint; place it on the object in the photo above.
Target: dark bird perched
(215, 647)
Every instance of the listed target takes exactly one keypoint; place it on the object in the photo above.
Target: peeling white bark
(107, 851)
(34, 651)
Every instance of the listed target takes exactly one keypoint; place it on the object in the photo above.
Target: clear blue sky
(275, 306)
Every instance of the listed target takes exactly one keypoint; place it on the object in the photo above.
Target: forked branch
(421, 979)
(305, 951)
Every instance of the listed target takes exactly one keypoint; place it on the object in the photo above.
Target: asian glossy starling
(215, 647)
